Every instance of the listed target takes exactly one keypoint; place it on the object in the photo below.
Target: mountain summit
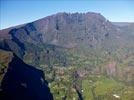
(90, 31)
(67, 30)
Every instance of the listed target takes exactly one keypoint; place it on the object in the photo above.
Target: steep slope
(56, 39)
(73, 49)
(53, 39)
(78, 30)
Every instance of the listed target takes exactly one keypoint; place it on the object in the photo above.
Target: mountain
(89, 31)
(77, 30)
(72, 48)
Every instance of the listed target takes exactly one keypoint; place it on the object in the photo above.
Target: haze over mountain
(88, 41)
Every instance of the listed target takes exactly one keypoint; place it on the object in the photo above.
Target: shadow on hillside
(24, 82)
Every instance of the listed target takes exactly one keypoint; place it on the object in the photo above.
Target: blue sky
(15, 12)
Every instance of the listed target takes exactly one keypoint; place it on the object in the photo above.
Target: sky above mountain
(15, 12)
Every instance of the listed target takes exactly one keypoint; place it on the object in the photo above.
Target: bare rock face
(74, 28)
(64, 28)
(89, 31)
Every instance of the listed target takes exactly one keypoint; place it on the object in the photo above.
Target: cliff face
(51, 39)
(77, 30)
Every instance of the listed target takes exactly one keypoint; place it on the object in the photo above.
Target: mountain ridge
(67, 30)
(75, 51)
